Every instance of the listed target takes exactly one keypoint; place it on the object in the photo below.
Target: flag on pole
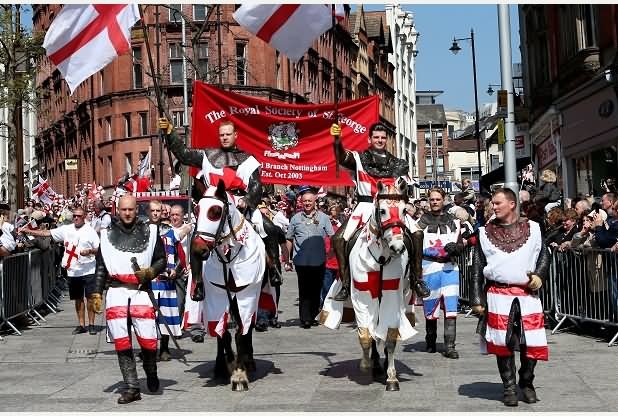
(84, 38)
(43, 192)
(144, 166)
(290, 28)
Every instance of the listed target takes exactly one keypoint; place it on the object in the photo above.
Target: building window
(199, 12)
(127, 124)
(178, 118)
(175, 15)
(428, 165)
(427, 138)
(143, 123)
(108, 127)
(470, 172)
(102, 83)
(138, 79)
(110, 175)
(451, 130)
(202, 61)
(175, 63)
(440, 166)
(439, 138)
(241, 63)
(128, 161)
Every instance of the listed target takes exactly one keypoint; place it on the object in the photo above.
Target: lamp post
(455, 49)
(490, 91)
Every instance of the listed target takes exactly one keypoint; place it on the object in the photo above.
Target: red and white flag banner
(84, 38)
(290, 28)
(291, 141)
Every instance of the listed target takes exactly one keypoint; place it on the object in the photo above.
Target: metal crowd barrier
(582, 287)
(28, 281)
(586, 287)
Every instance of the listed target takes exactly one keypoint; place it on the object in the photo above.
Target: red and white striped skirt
(499, 302)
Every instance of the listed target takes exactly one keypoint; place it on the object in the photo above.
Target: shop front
(589, 137)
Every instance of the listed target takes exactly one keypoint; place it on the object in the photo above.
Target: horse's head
(212, 213)
(389, 215)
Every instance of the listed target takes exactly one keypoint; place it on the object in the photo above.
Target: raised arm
(345, 157)
(186, 156)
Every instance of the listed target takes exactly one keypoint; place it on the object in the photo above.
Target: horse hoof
(392, 386)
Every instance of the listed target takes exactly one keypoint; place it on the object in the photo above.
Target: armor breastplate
(132, 239)
(383, 164)
(433, 223)
(221, 158)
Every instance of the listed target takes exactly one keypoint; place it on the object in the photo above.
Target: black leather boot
(506, 366)
(526, 376)
(431, 334)
(164, 349)
(339, 247)
(150, 368)
(450, 331)
(126, 361)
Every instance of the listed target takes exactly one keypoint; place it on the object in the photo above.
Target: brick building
(570, 63)
(109, 123)
(432, 134)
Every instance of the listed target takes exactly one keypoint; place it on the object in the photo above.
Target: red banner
(291, 141)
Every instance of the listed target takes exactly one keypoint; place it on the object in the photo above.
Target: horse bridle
(381, 228)
(225, 217)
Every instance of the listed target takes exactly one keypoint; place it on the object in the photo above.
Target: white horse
(380, 289)
(227, 262)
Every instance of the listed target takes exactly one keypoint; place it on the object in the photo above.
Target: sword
(155, 304)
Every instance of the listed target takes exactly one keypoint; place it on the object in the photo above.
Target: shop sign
(546, 152)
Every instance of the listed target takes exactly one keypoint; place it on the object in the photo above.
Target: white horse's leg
(392, 384)
(365, 341)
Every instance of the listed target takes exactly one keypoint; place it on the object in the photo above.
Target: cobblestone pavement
(48, 369)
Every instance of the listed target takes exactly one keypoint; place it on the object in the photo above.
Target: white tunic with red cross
(234, 179)
(122, 303)
(510, 270)
(366, 185)
(75, 240)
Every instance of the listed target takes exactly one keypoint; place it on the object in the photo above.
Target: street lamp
(455, 49)
(490, 90)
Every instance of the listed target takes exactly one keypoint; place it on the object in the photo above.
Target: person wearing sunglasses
(81, 243)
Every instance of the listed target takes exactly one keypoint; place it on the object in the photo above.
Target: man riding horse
(215, 164)
(373, 165)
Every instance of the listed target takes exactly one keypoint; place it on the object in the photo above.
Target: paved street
(48, 369)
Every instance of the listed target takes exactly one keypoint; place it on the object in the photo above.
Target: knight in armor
(373, 165)
(214, 163)
(510, 264)
(131, 255)
(442, 243)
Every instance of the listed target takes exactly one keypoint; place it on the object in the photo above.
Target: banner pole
(335, 89)
(162, 137)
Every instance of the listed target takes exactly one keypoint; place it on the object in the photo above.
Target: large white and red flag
(43, 192)
(290, 28)
(84, 38)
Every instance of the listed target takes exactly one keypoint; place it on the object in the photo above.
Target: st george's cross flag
(84, 38)
(290, 28)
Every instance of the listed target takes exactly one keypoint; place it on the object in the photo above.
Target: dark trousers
(310, 280)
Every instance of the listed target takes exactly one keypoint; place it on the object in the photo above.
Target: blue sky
(438, 69)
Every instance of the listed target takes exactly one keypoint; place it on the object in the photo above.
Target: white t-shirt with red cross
(75, 240)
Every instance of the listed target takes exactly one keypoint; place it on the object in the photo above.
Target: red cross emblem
(372, 285)
(71, 251)
(229, 178)
(107, 19)
(41, 188)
